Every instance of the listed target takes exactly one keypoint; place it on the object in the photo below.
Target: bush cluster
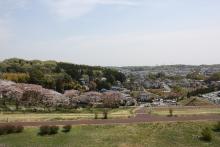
(217, 127)
(105, 114)
(206, 134)
(9, 129)
(170, 112)
(96, 115)
(66, 128)
(51, 130)
(48, 130)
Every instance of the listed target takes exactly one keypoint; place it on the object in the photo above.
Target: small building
(144, 97)
(116, 88)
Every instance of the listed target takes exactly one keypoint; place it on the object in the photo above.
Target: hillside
(181, 70)
(59, 76)
(195, 102)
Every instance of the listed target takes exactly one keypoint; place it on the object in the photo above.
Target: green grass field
(184, 111)
(80, 114)
(140, 135)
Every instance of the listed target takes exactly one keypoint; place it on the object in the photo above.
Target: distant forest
(60, 76)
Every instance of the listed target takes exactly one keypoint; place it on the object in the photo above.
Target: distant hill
(182, 70)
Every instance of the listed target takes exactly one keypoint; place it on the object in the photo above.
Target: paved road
(141, 117)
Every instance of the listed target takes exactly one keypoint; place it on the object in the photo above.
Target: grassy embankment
(140, 135)
(185, 111)
(189, 106)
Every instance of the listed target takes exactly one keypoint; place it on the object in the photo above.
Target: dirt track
(140, 117)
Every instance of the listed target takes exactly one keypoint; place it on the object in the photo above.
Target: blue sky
(111, 32)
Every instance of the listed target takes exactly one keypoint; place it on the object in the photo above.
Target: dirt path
(141, 117)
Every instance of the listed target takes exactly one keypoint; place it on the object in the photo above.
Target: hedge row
(9, 129)
(50, 130)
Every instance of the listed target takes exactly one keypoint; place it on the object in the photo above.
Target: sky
(111, 32)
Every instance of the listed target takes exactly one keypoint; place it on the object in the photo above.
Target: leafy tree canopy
(59, 76)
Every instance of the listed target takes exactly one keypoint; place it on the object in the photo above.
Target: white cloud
(69, 9)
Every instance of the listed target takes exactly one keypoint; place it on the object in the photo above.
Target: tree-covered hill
(59, 76)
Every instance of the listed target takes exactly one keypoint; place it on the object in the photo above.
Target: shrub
(96, 115)
(170, 112)
(206, 134)
(105, 114)
(44, 130)
(66, 128)
(48, 130)
(8, 129)
(2, 130)
(217, 127)
(53, 130)
(19, 129)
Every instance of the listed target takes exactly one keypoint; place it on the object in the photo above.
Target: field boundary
(140, 117)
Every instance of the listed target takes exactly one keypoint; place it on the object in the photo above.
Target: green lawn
(185, 111)
(79, 114)
(140, 135)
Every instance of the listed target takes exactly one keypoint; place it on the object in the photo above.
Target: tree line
(59, 76)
